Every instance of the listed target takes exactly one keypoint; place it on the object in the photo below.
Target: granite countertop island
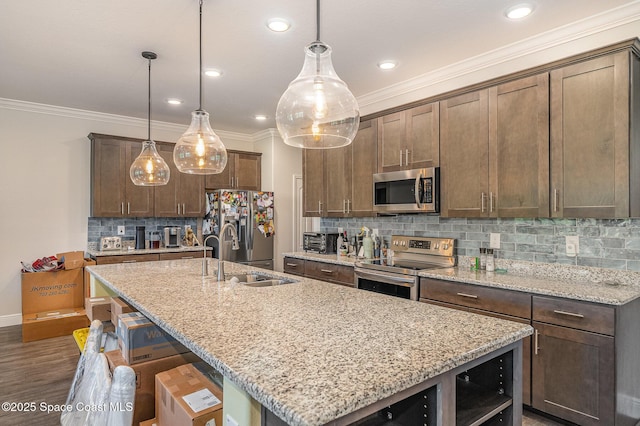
(310, 352)
(126, 252)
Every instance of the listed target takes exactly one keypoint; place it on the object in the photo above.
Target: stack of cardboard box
(52, 302)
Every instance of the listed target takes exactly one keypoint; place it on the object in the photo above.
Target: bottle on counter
(339, 245)
(367, 244)
(491, 265)
(483, 258)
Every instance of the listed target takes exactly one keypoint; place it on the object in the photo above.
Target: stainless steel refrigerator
(252, 214)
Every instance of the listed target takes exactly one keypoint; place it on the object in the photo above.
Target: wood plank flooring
(42, 371)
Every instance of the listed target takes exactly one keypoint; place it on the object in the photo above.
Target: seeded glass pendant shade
(317, 111)
(149, 168)
(199, 150)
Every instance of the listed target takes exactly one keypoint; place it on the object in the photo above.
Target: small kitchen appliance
(407, 191)
(140, 237)
(110, 243)
(172, 237)
(398, 276)
(320, 242)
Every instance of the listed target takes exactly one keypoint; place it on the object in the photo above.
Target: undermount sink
(254, 279)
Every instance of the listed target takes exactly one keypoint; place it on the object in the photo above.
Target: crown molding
(380, 99)
(269, 133)
(113, 119)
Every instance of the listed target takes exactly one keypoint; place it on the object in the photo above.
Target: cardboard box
(150, 422)
(141, 340)
(118, 307)
(174, 388)
(144, 406)
(43, 325)
(98, 308)
(71, 259)
(49, 291)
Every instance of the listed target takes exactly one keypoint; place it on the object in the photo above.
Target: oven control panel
(423, 245)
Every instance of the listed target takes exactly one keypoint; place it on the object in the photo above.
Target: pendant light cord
(200, 69)
(149, 106)
(318, 21)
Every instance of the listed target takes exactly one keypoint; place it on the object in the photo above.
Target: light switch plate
(121, 230)
(572, 245)
(230, 421)
(340, 231)
(494, 240)
(375, 232)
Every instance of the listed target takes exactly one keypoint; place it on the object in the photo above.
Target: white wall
(45, 173)
(280, 163)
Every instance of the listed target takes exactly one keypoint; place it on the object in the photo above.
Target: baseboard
(7, 320)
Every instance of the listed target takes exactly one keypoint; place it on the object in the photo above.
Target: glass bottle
(491, 266)
(483, 258)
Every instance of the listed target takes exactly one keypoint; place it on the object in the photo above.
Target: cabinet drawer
(328, 272)
(182, 255)
(133, 258)
(293, 266)
(500, 301)
(575, 314)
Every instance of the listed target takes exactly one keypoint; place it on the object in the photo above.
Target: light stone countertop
(125, 252)
(589, 284)
(310, 351)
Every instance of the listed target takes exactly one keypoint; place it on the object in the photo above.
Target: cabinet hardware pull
(491, 202)
(348, 206)
(293, 265)
(555, 200)
(344, 208)
(482, 197)
(128, 208)
(122, 208)
(470, 296)
(319, 206)
(326, 271)
(232, 181)
(571, 314)
(535, 342)
(400, 158)
(129, 261)
(406, 157)
(186, 257)
(184, 211)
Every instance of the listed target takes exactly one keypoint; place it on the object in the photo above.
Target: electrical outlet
(230, 421)
(494, 240)
(186, 229)
(572, 245)
(121, 230)
(375, 232)
(340, 231)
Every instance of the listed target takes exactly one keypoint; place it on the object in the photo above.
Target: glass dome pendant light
(199, 150)
(317, 111)
(149, 168)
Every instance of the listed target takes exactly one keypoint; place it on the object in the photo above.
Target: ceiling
(86, 54)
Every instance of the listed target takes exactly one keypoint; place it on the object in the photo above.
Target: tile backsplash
(603, 243)
(107, 227)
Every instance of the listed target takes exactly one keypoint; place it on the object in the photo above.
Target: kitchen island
(315, 353)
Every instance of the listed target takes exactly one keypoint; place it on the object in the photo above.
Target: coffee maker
(172, 236)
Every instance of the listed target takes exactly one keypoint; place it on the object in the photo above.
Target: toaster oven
(320, 242)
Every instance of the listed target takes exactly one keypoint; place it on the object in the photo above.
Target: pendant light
(317, 110)
(149, 169)
(199, 150)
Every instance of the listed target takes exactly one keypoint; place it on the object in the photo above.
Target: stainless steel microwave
(407, 191)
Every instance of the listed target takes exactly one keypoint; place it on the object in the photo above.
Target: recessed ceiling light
(174, 101)
(387, 65)
(213, 72)
(278, 25)
(519, 11)
(260, 117)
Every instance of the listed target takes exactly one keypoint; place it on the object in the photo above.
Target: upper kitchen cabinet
(243, 171)
(338, 182)
(113, 194)
(409, 139)
(595, 144)
(495, 151)
(183, 196)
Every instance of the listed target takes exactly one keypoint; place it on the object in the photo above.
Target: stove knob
(445, 246)
(436, 246)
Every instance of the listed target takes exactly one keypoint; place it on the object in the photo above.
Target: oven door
(404, 286)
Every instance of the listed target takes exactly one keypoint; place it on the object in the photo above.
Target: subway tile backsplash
(604, 243)
(107, 227)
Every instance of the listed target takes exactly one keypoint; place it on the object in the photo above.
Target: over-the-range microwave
(407, 191)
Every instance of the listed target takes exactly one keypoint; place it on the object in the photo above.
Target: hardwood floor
(42, 372)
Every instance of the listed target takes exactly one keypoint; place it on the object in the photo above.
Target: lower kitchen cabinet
(582, 362)
(127, 258)
(323, 271)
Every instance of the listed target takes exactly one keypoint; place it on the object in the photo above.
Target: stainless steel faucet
(234, 246)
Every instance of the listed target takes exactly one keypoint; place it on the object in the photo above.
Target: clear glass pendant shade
(317, 111)
(199, 150)
(149, 169)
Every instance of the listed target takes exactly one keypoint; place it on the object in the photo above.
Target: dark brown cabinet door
(183, 196)
(573, 374)
(337, 180)
(519, 148)
(423, 136)
(248, 171)
(590, 138)
(364, 163)
(464, 155)
(313, 182)
(221, 180)
(391, 142)
(113, 194)
(191, 195)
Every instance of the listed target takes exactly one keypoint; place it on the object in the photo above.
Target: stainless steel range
(399, 275)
